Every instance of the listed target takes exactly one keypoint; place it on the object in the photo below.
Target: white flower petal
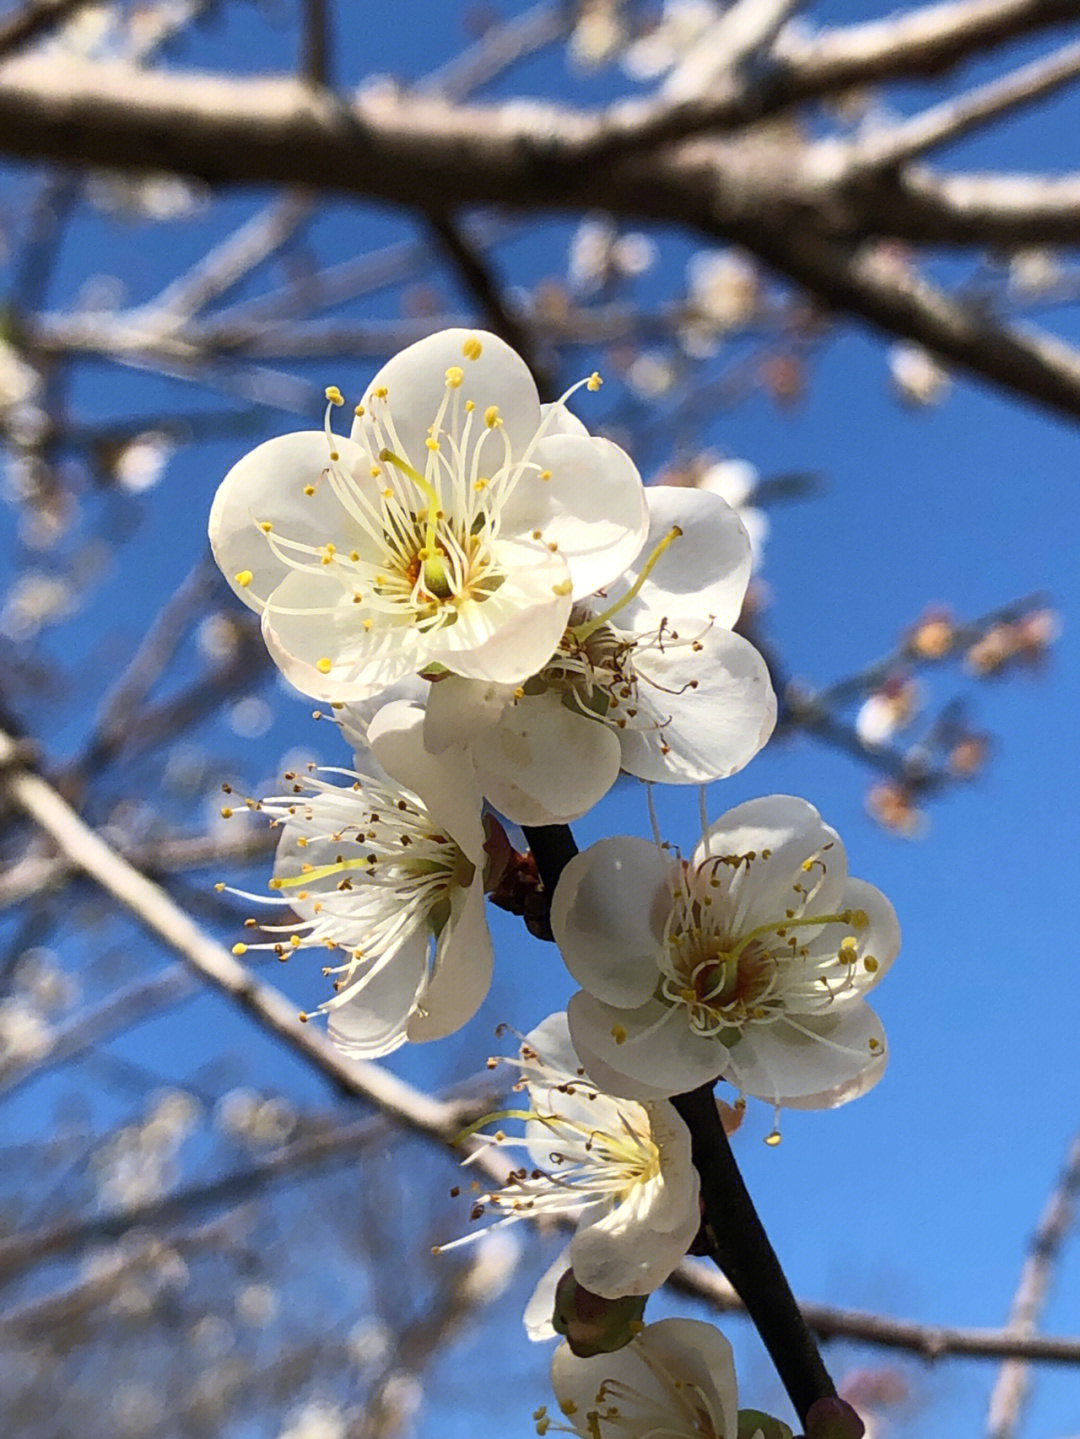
(267, 486)
(446, 784)
(541, 1305)
(310, 620)
(415, 384)
(703, 572)
(645, 1053)
(373, 1021)
(608, 916)
(464, 962)
(460, 711)
(677, 1378)
(592, 508)
(545, 764)
(811, 1061)
(703, 713)
(795, 835)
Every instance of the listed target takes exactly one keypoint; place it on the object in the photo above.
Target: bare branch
(738, 33)
(421, 153)
(924, 42)
(865, 283)
(928, 1341)
(290, 1163)
(956, 117)
(500, 47)
(121, 1011)
(33, 21)
(1014, 1381)
(229, 263)
(315, 42)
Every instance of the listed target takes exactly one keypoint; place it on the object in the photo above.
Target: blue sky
(918, 1199)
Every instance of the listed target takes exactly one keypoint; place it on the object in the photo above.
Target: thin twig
(955, 117)
(926, 1341)
(1014, 1381)
(33, 21)
(315, 43)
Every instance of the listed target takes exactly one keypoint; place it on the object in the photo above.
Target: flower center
(728, 979)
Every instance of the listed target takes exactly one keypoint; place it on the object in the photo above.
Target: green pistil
(585, 631)
(428, 490)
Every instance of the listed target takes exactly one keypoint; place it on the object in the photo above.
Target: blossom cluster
(505, 620)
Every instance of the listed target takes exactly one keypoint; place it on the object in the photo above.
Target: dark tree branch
(738, 1244)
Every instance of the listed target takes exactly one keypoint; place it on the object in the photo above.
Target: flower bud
(593, 1325)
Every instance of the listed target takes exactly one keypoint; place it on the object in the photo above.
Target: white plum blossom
(387, 870)
(676, 1378)
(623, 1169)
(750, 962)
(453, 530)
(647, 678)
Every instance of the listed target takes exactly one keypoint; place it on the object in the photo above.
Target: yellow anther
(381, 393)
(334, 456)
(849, 950)
(368, 624)
(226, 812)
(472, 349)
(480, 484)
(454, 376)
(325, 665)
(354, 555)
(491, 417)
(330, 547)
(859, 918)
(519, 692)
(564, 587)
(433, 444)
(334, 395)
(275, 884)
(808, 864)
(309, 490)
(618, 1034)
(545, 474)
(871, 964)
(875, 1045)
(359, 412)
(220, 886)
(375, 472)
(594, 381)
(294, 940)
(470, 405)
(266, 527)
(244, 578)
(773, 1139)
(538, 534)
(239, 949)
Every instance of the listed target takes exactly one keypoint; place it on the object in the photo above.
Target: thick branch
(425, 154)
(739, 1245)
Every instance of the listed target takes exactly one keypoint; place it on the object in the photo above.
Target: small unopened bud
(594, 1325)
(833, 1419)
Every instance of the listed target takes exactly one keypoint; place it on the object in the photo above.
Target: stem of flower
(553, 848)
(741, 1250)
